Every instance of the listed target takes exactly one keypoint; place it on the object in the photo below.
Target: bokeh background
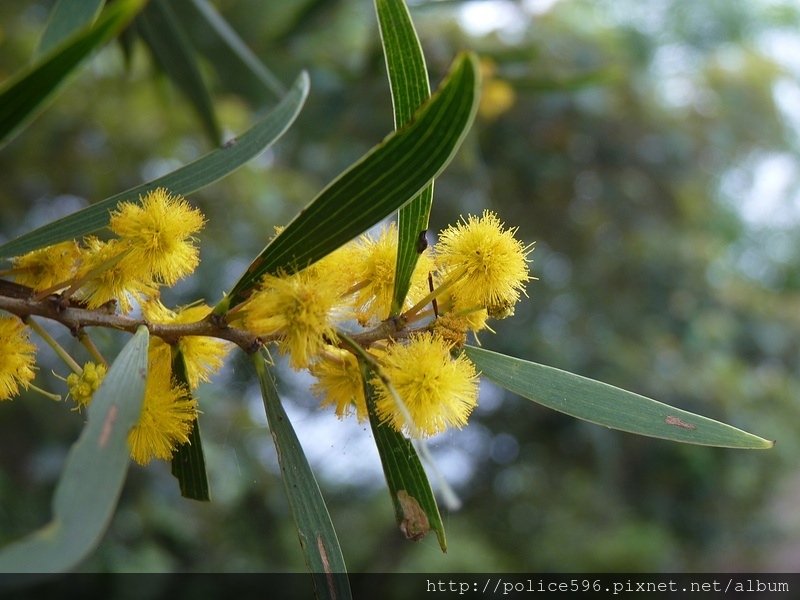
(649, 149)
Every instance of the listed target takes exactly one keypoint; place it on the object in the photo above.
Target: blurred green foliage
(632, 154)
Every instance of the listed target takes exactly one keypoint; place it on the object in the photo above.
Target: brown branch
(22, 301)
(77, 318)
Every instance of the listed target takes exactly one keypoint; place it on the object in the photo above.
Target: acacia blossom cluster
(330, 318)
(152, 243)
(422, 384)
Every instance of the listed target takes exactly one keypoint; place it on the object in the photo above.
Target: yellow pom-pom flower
(374, 264)
(106, 276)
(47, 267)
(165, 422)
(297, 308)
(339, 383)
(17, 357)
(338, 268)
(202, 355)
(159, 233)
(488, 263)
(83, 386)
(438, 390)
(497, 97)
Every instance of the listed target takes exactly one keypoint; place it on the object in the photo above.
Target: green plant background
(633, 156)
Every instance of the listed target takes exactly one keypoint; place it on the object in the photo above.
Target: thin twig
(89, 344)
(50, 341)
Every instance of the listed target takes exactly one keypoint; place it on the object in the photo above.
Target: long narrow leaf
(188, 462)
(185, 180)
(23, 95)
(408, 79)
(231, 53)
(170, 45)
(314, 527)
(607, 405)
(415, 506)
(383, 180)
(66, 17)
(92, 479)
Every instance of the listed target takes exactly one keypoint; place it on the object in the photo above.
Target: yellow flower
(82, 387)
(338, 268)
(438, 390)
(109, 277)
(497, 97)
(339, 383)
(160, 233)
(374, 264)
(488, 262)
(453, 326)
(165, 422)
(17, 356)
(298, 308)
(202, 355)
(43, 268)
(458, 317)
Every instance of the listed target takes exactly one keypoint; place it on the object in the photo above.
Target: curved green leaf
(164, 35)
(607, 405)
(24, 94)
(408, 79)
(231, 57)
(384, 179)
(314, 527)
(66, 17)
(415, 506)
(93, 475)
(188, 464)
(205, 170)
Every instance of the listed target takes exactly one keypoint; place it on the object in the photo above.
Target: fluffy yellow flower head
(438, 390)
(374, 264)
(298, 308)
(17, 356)
(489, 262)
(165, 422)
(339, 383)
(109, 277)
(497, 95)
(46, 267)
(82, 387)
(338, 268)
(203, 356)
(159, 232)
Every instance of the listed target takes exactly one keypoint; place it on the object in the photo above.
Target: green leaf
(93, 475)
(163, 33)
(607, 405)
(408, 79)
(232, 59)
(415, 507)
(26, 93)
(205, 170)
(384, 179)
(314, 527)
(188, 462)
(66, 17)
(189, 467)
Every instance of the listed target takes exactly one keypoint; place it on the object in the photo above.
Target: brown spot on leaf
(326, 567)
(678, 422)
(414, 524)
(108, 426)
(323, 554)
